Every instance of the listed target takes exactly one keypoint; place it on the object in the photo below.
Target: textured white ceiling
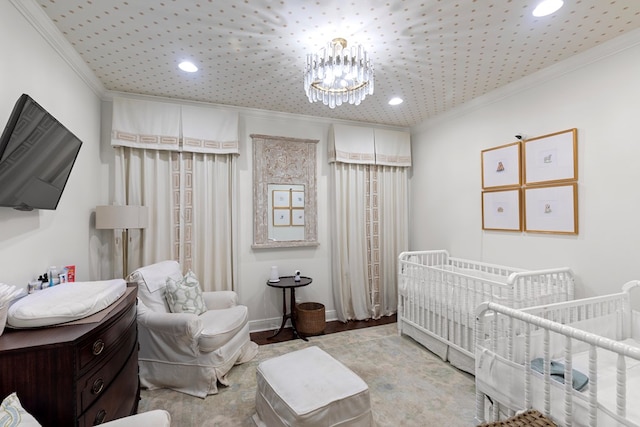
(435, 54)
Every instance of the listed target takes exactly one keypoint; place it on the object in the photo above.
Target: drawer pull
(100, 417)
(98, 386)
(98, 346)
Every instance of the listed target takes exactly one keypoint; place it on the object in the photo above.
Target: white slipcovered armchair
(188, 352)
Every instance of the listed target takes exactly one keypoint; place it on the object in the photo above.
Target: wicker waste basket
(528, 418)
(310, 318)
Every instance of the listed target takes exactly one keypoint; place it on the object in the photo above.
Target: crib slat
(547, 369)
(568, 383)
(527, 372)
(593, 386)
(621, 386)
(480, 414)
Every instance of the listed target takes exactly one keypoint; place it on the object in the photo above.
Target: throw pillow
(185, 296)
(12, 414)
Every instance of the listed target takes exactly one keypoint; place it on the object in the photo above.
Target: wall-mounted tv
(37, 154)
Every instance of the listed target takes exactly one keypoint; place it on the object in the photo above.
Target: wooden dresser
(75, 375)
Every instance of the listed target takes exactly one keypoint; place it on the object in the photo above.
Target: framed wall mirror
(284, 192)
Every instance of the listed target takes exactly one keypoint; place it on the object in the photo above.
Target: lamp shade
(114, 217)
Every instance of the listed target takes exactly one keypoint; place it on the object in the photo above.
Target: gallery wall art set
(532, 185)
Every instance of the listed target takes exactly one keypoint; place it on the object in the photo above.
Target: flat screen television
(37, 153)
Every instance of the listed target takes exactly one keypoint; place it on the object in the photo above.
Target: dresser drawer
(101, 343)
(111, 404)
(95, 383)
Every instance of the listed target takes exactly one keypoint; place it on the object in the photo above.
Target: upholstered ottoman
(310, 388)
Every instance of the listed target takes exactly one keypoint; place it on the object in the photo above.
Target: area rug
(408, 385)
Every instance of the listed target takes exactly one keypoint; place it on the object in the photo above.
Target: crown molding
(34, 14)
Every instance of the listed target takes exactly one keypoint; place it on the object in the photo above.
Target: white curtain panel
(368, 217)
(180, 162)
(150, 178)
(349, 246)
(393, 209)
(210, 219)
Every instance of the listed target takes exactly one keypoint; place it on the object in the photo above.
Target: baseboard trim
(275, 322)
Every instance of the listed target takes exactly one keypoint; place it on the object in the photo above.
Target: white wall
(32, 241)
(265, 303)
(597, 93)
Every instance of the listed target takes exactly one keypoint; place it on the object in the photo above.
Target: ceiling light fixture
(395, 101)
(187, 66)
(337, 75)
(547, 7)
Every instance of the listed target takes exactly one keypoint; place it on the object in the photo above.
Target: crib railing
(498, 327)
(438, 294)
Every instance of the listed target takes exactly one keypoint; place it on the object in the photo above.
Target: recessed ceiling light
(547, 7)
(395, 101)
(188, 67)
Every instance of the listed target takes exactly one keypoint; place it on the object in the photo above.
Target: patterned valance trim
(144, 141)
(346, 157)
(205, 146)
(382, 159)
(362, 145)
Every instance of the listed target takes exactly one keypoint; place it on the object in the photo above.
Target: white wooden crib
(594, 341)
(438, 295)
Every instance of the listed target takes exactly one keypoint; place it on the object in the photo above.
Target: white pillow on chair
(185, 295)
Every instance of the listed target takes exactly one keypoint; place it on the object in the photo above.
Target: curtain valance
(206, 130)
(173, 127)
(363, 145)
(393, 148)
(143, 124)
(351, 144)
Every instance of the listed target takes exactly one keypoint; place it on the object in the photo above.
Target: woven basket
(310, 318)
(531, 418)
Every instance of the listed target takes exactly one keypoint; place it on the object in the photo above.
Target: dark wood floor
(266, 337)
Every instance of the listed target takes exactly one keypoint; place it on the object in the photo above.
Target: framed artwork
(551, 209)
(281, 199)
(551, 158)
(501, 210)
(297, 217)
(281, 217)
(297, 199)
(501, 166)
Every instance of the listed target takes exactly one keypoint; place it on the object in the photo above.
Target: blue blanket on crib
(580, 380)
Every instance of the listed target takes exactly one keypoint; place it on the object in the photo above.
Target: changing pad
(64, 303)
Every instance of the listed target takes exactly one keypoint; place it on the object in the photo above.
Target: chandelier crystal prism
(337, 75)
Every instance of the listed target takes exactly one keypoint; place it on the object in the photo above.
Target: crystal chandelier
(337, 75)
